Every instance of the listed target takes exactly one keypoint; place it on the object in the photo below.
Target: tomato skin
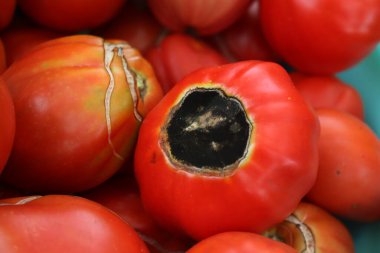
(329, 92)
(179, 54)
(242, 242)
(205, 18)
(3, 58)
(200, 205)
(63, 141)
(328, 234)
(349, 159)
(7, 124)
(62, 223)
(71, 15)
(321, 36)
(7, 8)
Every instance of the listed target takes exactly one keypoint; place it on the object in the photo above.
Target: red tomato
(349, 167)
(79, 101)
(3, 60)
(7, 8)
(18, 39)
(321, 36)
(206, 17)
(219, 150)
(60, 224)
(7, 124)
(329, 92)
(180, 54)
(71, 15)
(241, 242)
(135, 25)
(311, 229)
(121, 195)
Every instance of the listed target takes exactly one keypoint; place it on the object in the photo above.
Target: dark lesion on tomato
(207, 132)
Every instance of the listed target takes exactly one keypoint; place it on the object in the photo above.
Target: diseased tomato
(62, 223)
(179, 54)
(311, 229)
(79, 101)
(242, 242)
(7, 124)
(349, 167)
(7, 8)
(329, 92)
(71, 15)
(321, 36)
(206, 17)
(224, 147)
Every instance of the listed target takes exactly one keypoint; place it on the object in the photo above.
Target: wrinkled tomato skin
(349, 167)
(63, 223)
(7, 8)
(71, 15)
(7, 124)
(321, 36)
(63, 142)
(195, 204)
(329, 92)
(242, 242)
(205, 17)
(179, 54)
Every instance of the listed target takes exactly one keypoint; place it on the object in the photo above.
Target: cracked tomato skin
(75, 127)
(206, 17)
(252, 197)
(321, 36)
(242, 242)
(63, 223)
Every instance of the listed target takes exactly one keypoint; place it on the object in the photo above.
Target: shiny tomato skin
(248, 199)
(321, 36)
(205, 17)
(63, 223)
(329, 92)
(7, 124)
(70, 137)
(179, 54)
(71, 15)
(349, 167)
(7, 8)
(242, 242)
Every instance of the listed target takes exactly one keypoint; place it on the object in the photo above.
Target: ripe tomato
(121, 195)
(242, 242)
(311, 229)
(7, 8)
(219, 150)
(3, 59)
(79, 101)
(7, 124)
(321, 36)
(59, 223)
(71, 15)
(206, 17)
(178, 55)
(329, 92)
(349, 167)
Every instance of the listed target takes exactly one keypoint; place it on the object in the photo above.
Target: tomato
(7, 8)
(242, 242)
(329, 92)
(71, 15)
(178, 55)
(349, 167)
(121, 195)
(7, 124)
(311, 229)
(219, 149)
(79, 101)
(205, 17)
(321, 36)
(60, 223)
(3, 60)
(20, 38)
(135, 25)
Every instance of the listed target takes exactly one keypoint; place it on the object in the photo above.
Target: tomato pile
(185, 126)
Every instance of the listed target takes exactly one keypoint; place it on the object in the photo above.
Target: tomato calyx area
(207, 132)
